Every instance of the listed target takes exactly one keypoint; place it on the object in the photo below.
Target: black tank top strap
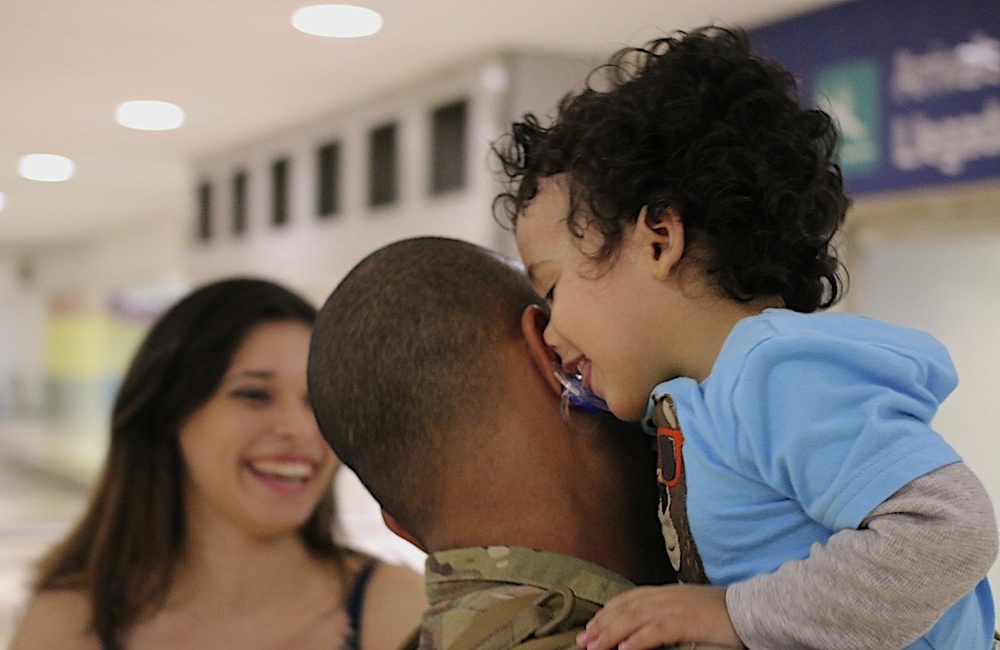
(356, 598)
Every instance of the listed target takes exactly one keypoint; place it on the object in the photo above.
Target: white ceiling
(240, 71)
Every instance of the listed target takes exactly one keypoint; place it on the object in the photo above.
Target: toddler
(679, 220)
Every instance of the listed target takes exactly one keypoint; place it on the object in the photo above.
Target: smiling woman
(211, 525)
(251, 453)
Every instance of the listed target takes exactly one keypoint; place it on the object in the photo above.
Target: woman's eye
(550, 294)
(252, 394)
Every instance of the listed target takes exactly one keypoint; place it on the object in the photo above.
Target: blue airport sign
(913, 84)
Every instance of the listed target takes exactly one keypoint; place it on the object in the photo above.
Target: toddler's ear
(533, 322)
(660, 239)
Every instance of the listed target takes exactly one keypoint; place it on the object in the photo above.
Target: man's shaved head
(403, 364)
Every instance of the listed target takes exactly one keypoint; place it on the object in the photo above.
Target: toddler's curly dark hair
(697, 122)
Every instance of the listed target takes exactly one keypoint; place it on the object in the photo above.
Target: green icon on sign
(850, 92)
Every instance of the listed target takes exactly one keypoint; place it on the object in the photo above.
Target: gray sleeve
(882, 585)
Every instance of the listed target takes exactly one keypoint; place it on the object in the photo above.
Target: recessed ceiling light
(337, 21)
(46, 167)
(3, 201)
(148, 115)
(494, 78)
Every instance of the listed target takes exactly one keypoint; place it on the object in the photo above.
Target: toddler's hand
(649, 617)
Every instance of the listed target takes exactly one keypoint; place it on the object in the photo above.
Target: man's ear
(400, 530)
(533, 322)
(660, 238)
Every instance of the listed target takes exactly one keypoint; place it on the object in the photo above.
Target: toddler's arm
(883, 585)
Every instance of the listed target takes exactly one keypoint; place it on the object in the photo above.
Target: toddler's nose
(551, 337)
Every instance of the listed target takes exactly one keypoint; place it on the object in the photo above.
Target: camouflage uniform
(464, 583)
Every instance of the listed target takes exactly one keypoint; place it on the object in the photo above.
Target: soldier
(429, 378)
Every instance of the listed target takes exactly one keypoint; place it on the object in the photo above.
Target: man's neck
(584, 486)
(560, 515)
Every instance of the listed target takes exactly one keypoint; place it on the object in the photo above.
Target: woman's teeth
(287, 470)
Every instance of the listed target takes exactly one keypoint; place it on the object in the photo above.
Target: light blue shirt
(806, 423)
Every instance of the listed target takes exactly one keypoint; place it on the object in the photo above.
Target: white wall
(935, 266)
(312, 254)
(149, 254)
(153, 251)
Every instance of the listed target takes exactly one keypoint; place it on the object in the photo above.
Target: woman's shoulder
(356, 561)
(372, 573)
(396, 577)
(384, 601)
(394, 603)
(56, 618)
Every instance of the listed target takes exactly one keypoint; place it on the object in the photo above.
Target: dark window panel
(205, 211)
(382, 165)
(240, 203)
(328, 179)
(448, 147)
(279, 191)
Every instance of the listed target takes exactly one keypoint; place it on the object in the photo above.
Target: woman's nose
(297, 420)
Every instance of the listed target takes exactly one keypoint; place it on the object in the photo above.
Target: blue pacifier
(575, 392)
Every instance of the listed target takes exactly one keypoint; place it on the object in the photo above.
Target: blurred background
(292, 155)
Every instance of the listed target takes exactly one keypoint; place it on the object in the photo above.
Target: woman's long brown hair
(123, 551)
